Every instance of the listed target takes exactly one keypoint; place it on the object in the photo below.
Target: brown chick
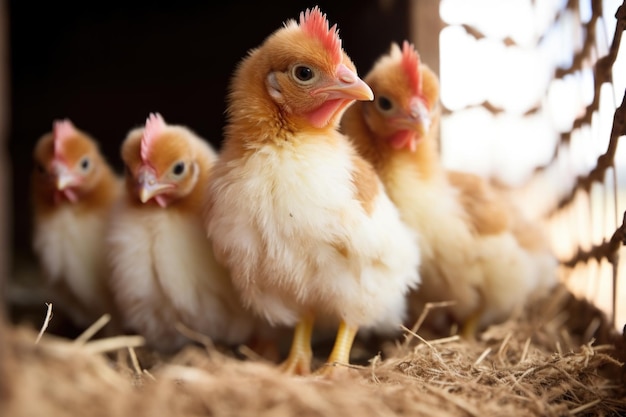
(73, 190)
(477, 250)
(302, 220)
(163, 272)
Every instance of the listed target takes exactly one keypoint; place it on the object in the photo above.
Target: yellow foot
(333, 370)
(299, 364)
(339, 358)
(469, 329)
(300, 355)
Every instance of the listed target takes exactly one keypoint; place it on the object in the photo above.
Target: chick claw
(469, 329)
(297, 364)
(300, 355)
(340, 354)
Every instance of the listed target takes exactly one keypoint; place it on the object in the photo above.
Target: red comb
(314, 22)
(62, 129)
(410, 64)
(154, 127)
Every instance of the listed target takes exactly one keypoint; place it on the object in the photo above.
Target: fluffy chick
(73, 189)
(163, 271)
(477, 250)
(302, 220)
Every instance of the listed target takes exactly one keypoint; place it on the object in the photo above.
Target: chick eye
(178, 169)
(304, 74)
(384, 104)
(85, 163)
(40, 168)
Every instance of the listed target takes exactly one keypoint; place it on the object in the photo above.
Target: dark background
(106, 65)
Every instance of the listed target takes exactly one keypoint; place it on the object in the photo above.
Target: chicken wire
(557, 102)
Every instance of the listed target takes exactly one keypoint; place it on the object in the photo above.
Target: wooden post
(4, 160)
(425, 28)
(4, 198)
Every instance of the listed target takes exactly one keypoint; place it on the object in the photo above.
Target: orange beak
(337, 95)
(416, 118)
(64, 176)
(348, 86)
(149, 186)
(411, 126)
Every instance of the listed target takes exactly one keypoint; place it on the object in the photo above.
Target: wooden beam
(425, 28)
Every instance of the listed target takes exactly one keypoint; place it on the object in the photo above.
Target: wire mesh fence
(550, 124)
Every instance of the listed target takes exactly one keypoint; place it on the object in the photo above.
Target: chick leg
(300, 354)
(341, 349)
(469, 328)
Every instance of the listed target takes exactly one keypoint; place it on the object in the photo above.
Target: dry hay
(532, 365)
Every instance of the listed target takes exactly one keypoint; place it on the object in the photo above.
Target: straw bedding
(558, 358)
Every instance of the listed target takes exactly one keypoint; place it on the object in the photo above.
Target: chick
(301, 220)
(163, 271)
(73, 189)
(477, 250)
